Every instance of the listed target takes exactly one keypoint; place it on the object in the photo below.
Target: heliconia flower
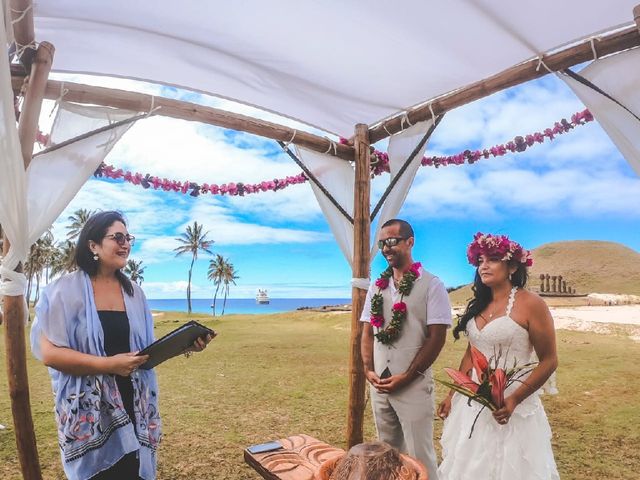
(382, 283)
(462, 379)
(480, 363)
(498, 382)
(400, 307)
(376, 321)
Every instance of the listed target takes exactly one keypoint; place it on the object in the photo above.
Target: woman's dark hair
(95, 229)
(482, 296)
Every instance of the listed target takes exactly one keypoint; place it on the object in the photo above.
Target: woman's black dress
(115, 326)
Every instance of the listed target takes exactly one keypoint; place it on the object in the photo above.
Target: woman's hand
(502, 415)
(445, 407)
(200, 344)
(124, 364)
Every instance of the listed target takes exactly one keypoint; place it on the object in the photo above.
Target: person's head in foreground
(377, 461)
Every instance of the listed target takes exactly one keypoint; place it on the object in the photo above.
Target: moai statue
(559, 283)
(554, 285)
(546, 278)
(564, 286)
(542, 282)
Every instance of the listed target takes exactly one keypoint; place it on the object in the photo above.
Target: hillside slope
(588, 265)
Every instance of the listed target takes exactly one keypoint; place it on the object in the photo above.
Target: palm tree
(135, 270)
(39, 261)
(214, 274)
(63, 260)
(228, 277)
(78, 219)
(193, 240)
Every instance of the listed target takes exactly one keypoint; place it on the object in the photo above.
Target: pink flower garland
(380, 160)
(379, 164)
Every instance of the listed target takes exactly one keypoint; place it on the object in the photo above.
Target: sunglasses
(390, 242)
(120, 238)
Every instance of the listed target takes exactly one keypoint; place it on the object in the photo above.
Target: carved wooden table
(298, 460)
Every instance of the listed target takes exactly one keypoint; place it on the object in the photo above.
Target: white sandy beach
(599, 319)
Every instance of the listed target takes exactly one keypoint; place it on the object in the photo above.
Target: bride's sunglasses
(120, 238)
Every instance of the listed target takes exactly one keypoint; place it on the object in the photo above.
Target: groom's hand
(393, 383)
(372, 378)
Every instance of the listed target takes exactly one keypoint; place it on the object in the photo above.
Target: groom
(406, 316)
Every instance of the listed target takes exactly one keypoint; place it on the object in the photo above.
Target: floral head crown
(497, 246)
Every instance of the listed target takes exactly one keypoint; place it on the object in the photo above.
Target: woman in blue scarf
(88, 327)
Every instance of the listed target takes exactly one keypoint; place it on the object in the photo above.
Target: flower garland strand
(379, 164)
(390, 333)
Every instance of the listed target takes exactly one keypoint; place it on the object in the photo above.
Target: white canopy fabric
(31, 200)
(618, 77)
(338, 178)
(13, 183)
(331, 64)
(55, 177)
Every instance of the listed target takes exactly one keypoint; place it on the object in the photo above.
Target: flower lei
(379, 164)
(389, 334)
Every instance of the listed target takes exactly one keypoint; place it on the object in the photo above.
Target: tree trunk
(193, 259)
(215, 296)
(37, 297)
(224, 303)
(29, 284)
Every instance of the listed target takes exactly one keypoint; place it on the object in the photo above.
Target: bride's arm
(465, 366)
(542, 335)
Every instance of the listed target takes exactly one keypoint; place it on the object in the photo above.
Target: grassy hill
(588, 265)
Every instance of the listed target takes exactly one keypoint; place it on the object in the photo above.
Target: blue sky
(575, 187)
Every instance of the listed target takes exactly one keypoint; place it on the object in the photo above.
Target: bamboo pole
(23, 30)
(361, 230)
(530, 70)
(14, 306)
(28, 124)
(142, 102)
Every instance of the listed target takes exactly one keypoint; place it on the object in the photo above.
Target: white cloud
(453, 192)
(228, 230)
(176, 289)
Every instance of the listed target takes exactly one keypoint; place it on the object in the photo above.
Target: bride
(503, 321)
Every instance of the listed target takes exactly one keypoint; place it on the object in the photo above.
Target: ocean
(243, 305)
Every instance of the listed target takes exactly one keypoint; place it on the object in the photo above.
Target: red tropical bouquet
(493, 380)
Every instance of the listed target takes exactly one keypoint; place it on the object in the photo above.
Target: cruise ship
(262, 297)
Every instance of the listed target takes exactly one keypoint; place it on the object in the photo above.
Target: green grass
(267, 377)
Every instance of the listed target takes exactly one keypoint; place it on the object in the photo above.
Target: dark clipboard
(174, 343)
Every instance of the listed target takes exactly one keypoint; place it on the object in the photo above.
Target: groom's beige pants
(404, 419)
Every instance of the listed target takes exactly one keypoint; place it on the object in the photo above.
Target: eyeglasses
(390, 242)
(120, 238)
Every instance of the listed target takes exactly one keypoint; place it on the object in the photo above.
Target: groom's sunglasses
(120, 238)
(390, 242)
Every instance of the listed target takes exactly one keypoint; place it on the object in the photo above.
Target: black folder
(174, 343)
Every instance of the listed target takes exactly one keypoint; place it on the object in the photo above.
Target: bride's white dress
(521, 449)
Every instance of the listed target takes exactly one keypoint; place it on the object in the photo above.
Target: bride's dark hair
(482, 296)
